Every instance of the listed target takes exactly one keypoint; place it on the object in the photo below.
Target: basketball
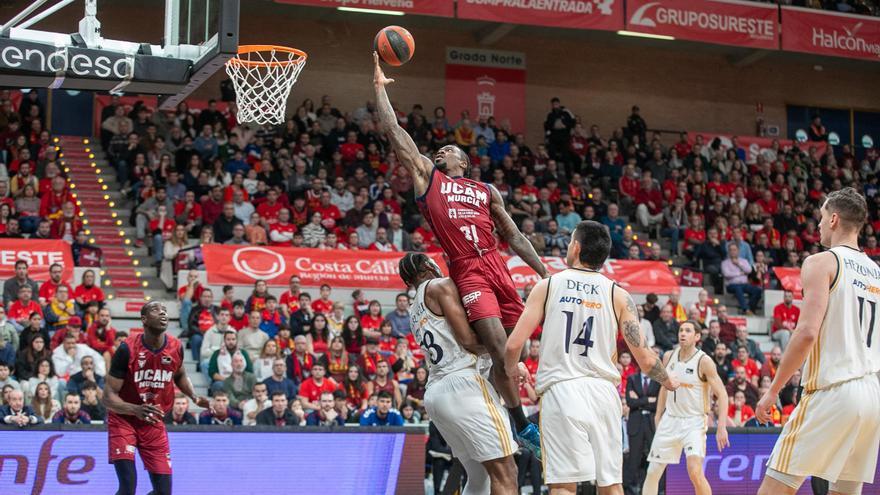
(394, 45)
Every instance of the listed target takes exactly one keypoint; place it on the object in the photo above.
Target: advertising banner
(40, 254)
(790, 278)
(640, 277)
(442, 8)
(739, 469)
(755, 145)
(579, 14)
(830, 33)
(727, 22)
(236, 265)
(486, 83)
(74, 462)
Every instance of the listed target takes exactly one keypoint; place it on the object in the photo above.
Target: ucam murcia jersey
(847, 347)
(149, 374)
(458, 211)
(692, 397)
(443, 353)
(580, 329)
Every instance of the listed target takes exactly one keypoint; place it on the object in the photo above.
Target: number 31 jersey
(457, 209)
(847, 347)
(442, 352)
(580, 329)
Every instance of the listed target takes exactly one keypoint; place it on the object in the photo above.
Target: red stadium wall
(679, 85)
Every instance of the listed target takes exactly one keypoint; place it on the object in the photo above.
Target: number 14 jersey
(580, 329)
(442, 352)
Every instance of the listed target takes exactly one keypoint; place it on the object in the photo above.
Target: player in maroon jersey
(140, 389)
(463, 215)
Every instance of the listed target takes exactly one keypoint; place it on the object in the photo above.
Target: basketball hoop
(263, 76)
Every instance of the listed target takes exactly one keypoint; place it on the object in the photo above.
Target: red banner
(442, 8)
(606, 15)
(486, 83)
(755, 146)
(790, 278)
(235, 265)
(39, 254)
(830, 33)
(723, 22)
(639, 277)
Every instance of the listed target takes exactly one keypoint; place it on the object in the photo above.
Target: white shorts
(833, 433)
(675, 434)
(581, 433)
(468, 412)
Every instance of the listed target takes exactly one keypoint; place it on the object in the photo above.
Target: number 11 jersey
(442, 352)
(580, 329)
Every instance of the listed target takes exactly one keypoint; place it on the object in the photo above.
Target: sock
(519, 418)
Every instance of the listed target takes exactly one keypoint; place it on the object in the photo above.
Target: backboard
(199, 36)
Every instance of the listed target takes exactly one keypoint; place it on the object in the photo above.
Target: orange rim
(242, 49)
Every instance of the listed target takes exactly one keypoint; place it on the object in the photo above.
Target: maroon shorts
(151, 441)
(486, 289)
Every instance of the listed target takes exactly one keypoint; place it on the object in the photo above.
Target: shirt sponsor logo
(459, 193)
(152, 378)
(471, 298)
(580, 302)
(166, 359)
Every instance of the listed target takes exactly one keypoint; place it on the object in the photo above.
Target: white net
(263, 77)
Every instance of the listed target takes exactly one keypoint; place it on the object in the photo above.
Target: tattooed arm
(628, 321)
(508, 231)
(401, 142)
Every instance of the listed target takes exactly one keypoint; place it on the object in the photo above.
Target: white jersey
(442, 352)
(579, 336)
(847, 347)
(691, 399)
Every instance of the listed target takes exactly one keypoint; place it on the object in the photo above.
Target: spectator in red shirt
(289, 301)
(74, 327)
(51, 203)
(281, 231)
(628, 185)
(311, 389)
(20, 311)
(188, 212)
(330, 214)
(67, 225)
(323, 304)
(101, 337)
(350, 148)
(739, 412)
(649, 211)
(48, 288)
(212, 206)
(627, 369)
(785, 318)
(239, 318)
(694, 235)
(753, 371)
(88, 291)
(384, 383)
(682, 147)
(372, 320)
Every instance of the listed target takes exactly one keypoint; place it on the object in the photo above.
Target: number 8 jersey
(580, 329)
(442, 352)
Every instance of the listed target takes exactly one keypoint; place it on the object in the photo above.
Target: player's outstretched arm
(817, 274)
(508, 231)
(628, 322)
(445, 294)
(181, 379)
(529, 320)
(404, 147)
(708, 370)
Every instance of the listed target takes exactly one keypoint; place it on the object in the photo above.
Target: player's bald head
(145, 309)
